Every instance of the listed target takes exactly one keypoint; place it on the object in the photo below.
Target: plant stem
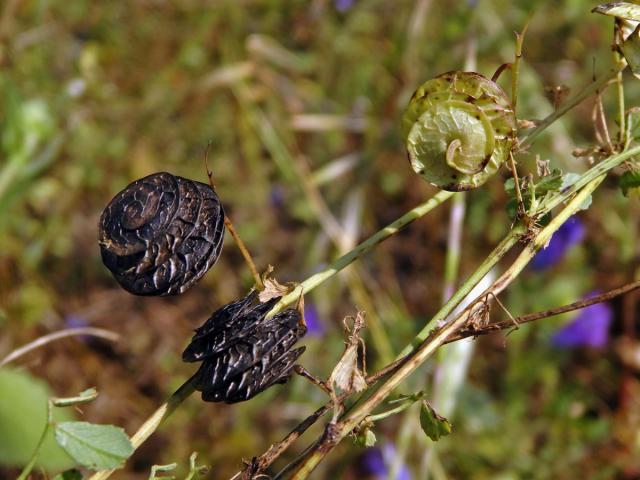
(245, 253)
(531, 317)
(515, 69)
(335, 432)
(345, 260)
(594, 172)
(29, 466)
(40, 341)
(154, 421)
(494, 257)
(572, 102)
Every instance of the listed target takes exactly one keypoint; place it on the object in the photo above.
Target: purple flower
(315, 327)
(277, 196)
(75, 321)
(589, 329)
(343, 5)
(375, 463)
(568, 235)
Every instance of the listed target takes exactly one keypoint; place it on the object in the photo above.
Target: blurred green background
(300, 101)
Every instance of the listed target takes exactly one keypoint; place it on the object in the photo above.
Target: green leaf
(625, 10)
(23, 416)
(433, 425)
(633, 121)
(72, 474)
(569, 179)
(587, 203)
(629, 181)
(365, 438)
(550, 183)
(98, 447)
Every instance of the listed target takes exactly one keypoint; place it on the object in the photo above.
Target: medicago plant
(162, 233)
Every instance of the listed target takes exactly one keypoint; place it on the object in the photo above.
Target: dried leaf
(272, 289)
(628, 11)
(347, 377)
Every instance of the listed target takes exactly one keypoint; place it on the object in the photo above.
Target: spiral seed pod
(459, 128)
(161, 233)
(242, 352)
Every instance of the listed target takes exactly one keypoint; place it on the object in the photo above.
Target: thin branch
(500, 326)
(227, 222)
(70, 332)
(245, 253)
(345, 260)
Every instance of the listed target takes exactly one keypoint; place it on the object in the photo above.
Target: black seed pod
(242, 352)
(161, 233)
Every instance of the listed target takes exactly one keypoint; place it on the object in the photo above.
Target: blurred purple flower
(76, 321)
(568, 235)
(343, 5)
(375, 463)
(589, 329)
(277, 196)
(315, 327)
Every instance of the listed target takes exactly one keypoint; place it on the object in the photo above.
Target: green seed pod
(459, 128)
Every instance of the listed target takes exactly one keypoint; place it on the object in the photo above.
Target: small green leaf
(629, 182)
(433, 425)
(365, 438)
(550, 183)
(633, 121)
(98, 447)
(510, 186)
(586, 203)
(569, 179)
(72, 474)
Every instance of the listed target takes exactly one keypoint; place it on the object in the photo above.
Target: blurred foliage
(23, 415)
(299, 98)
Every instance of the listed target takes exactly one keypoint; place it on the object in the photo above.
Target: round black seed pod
(161, 233)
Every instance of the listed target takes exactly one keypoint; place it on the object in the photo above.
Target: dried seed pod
(161, 233)
(243, 352)
(459, 128)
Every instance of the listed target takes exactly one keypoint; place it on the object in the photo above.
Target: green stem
(29, 466)
(336, 432)
(388, 413)
(491, 261)
(572, 102)
(345, 260)
(155, 420)
(591, 174)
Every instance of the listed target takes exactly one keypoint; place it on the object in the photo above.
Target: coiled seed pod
(459, 128)
(242, 352)
(161, 233)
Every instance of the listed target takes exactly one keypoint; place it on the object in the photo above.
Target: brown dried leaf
(347, 377)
